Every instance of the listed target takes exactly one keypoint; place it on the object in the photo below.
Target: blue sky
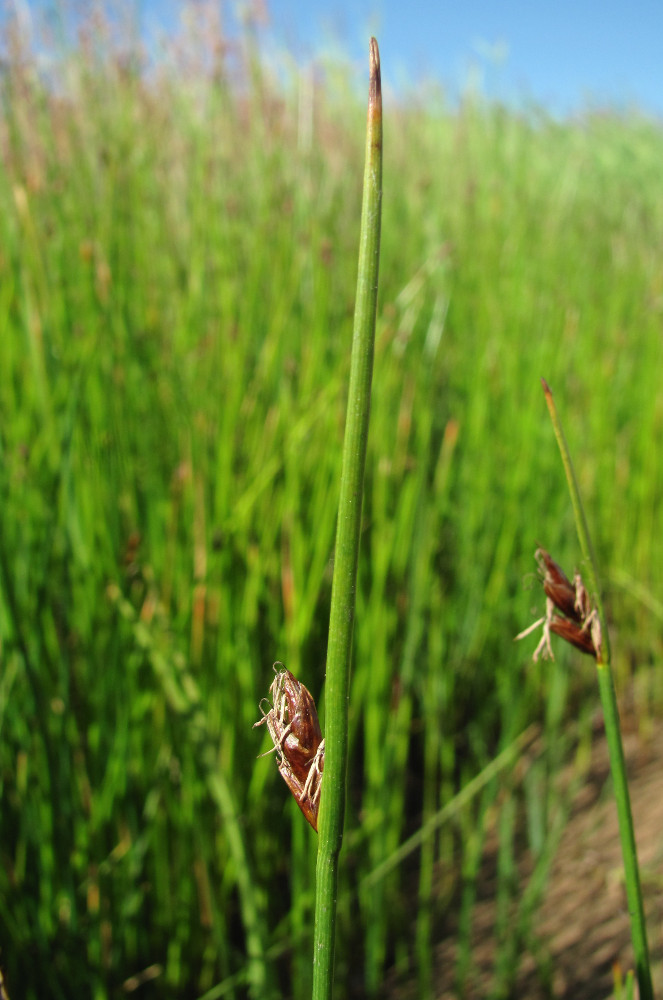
(564, 55)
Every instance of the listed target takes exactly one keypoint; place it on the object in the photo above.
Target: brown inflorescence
(577, 623)
(292, 721)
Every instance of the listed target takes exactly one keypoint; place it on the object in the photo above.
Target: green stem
(612, 726)
(341, 619)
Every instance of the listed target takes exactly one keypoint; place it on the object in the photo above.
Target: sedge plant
(611, 717)
(341, 619)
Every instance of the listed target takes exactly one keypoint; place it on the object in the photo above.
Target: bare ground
(582, 927)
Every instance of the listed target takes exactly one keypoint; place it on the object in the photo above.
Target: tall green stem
(611, 717)
(341, 620)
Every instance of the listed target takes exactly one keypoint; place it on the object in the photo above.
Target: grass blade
(612, 726)
(341, 619)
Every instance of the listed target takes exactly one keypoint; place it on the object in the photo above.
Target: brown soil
(582, 927)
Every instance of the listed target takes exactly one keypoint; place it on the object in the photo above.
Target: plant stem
(341, 619)
(612, 726)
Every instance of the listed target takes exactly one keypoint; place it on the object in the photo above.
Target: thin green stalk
(612, 726)
(341, 619)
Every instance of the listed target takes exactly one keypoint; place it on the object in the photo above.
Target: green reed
(176, 247)
(346, 552)
(611, 717)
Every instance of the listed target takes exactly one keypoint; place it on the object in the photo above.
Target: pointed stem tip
(375, 83)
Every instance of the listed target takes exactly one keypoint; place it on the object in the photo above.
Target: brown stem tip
(375, 82)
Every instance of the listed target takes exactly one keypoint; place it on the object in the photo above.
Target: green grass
(177, 277)
(347, 547)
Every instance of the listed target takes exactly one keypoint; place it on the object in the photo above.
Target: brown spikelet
(577, 621)
(292, 721)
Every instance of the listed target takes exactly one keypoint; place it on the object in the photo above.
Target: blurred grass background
(178, 246)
